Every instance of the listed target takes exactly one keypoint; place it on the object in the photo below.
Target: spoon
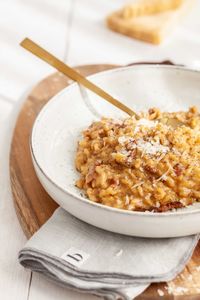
(74, 75)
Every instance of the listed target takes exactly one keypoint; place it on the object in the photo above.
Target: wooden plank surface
(46, 21)
(14, 281)
(34, 206)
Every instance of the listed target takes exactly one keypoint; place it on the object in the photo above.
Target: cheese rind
(148, 7)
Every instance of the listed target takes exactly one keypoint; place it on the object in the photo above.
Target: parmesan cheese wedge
(151, 28)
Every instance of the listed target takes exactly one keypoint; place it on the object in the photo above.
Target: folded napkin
(82, 257)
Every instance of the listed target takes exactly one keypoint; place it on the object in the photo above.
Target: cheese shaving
(123, 139)
(127, 200)
(164, 176)
(137, 184)
(152, 147)
(146, 123)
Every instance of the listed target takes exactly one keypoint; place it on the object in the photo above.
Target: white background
(75, 31)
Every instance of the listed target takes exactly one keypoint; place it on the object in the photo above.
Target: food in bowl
(149, 164)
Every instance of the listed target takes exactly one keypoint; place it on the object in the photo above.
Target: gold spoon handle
(71, 73)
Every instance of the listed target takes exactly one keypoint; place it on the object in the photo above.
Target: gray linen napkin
(82, 257)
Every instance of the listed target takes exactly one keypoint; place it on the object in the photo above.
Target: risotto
(152, 163)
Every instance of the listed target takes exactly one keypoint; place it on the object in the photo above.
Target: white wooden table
(74, 30)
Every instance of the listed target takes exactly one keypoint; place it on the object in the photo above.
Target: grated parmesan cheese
(125, 152)
(182, 276)
(137, 184)
(123, 139)
(161, 157)
(117, 121)
(198, 268)
(190, 278)
(160, 293)
(127, 200)
(152, 147)
(146, 123)
(146, 147)
(176, 290)
(164, 176)
(119, 253)
(181, 290)
(157, 204)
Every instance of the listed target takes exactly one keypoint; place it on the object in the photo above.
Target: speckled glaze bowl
(58, 127)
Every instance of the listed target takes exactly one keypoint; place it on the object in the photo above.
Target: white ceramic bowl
(58, 127)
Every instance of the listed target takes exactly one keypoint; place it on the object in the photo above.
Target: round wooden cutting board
(34, 206)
